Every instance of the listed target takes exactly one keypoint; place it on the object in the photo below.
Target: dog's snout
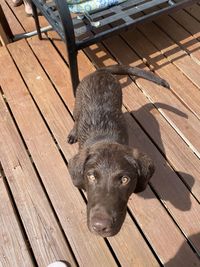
(102, 226)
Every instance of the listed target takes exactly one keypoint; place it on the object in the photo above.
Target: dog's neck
(103, 139)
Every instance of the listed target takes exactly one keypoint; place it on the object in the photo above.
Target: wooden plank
(13, 247)
(172, 51)
(178, 34)
(51, 106)
(129, 248)
(5, 31)
(169, 188)
(162, 234)
(159, 234)
(41, 147)
(16, 28)
(188, 128)
(62, 82)
(188, 22)
(27, 22)
(163, 67)
(143, 256)
(45, 236)
(180, 156)
(4, 40)
(158, 62)
(194, 11)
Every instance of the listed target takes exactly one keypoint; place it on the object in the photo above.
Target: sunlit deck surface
(42, 215)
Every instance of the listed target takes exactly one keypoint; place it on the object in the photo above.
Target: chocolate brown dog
(105, 166)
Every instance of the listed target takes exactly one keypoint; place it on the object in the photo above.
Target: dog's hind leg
(73, 134)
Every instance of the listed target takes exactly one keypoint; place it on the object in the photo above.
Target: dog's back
(98, 105)
(99, 87)
(99, 97)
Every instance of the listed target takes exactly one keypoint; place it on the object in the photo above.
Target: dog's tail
(127, 70)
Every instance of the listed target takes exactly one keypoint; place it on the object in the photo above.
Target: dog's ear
(146, 170)
(76, 168)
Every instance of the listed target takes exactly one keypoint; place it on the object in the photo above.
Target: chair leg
(37, 23)
(6, 35)
(73, 65)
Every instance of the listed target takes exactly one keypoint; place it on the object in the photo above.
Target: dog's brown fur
(105, 166)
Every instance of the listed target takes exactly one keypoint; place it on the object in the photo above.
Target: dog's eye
(125, 180)
(91, 177)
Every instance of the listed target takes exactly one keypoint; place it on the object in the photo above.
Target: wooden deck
(42, 215)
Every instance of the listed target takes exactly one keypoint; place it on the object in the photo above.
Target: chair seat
(90, 6)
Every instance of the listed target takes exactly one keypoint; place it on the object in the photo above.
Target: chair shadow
(182, 203)
(130, 42)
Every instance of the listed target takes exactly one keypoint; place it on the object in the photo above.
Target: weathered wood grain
(13, 246)
(46, 238)
(173, 52)
(188, 128)
(188, 22)
(181, 36)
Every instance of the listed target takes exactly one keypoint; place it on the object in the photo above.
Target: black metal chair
(79, 32)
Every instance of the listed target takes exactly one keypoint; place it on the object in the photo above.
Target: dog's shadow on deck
(168, 183)
(175, 261)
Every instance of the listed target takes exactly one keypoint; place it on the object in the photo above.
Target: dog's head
(109, 173)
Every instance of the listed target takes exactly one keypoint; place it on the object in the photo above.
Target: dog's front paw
(72, 137)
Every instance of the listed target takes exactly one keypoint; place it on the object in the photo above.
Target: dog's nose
(102, 226)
